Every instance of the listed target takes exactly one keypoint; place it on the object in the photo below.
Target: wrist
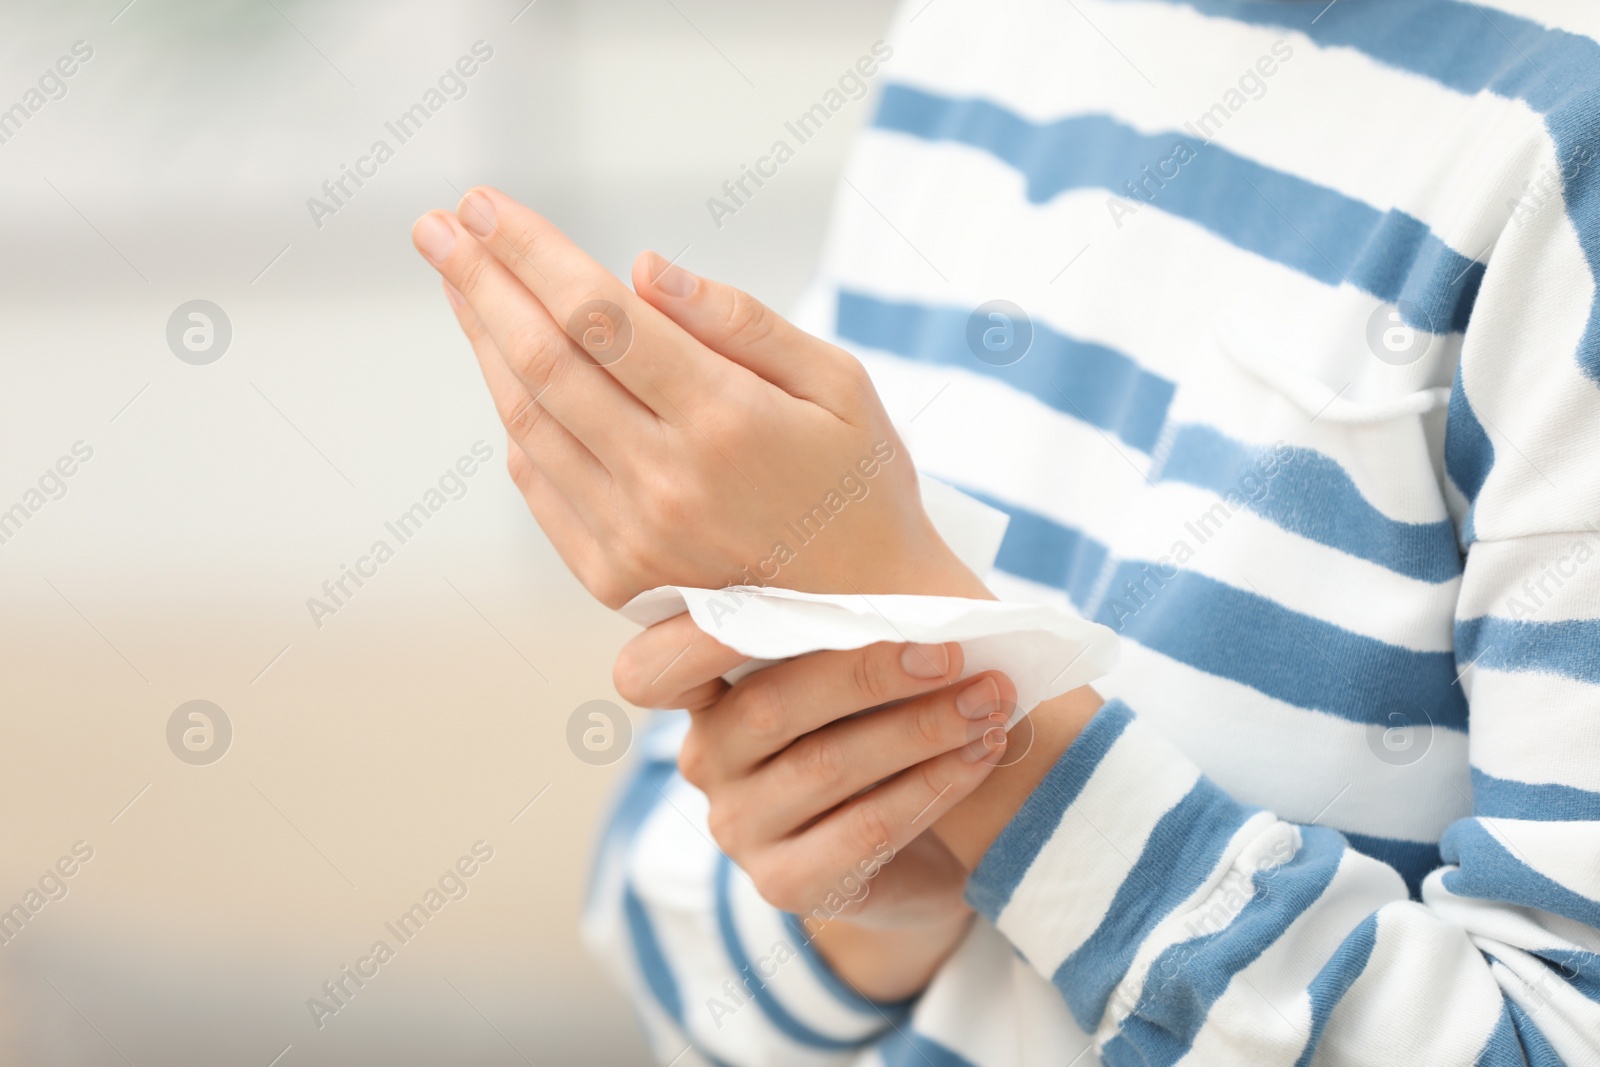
(934, 571)
(890, 964)
(969, 828)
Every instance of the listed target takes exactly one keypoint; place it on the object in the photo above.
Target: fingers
(568, 466)
(673, 664)
(886, 819)
(573, 541)
(829, 766)
(768, 710)
(658, 364)
(593, 406)
(736, 325)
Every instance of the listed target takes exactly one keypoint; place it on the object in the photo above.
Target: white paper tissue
(1044, 650)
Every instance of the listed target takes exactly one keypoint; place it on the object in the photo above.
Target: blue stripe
(731, 942)
(1308, 227)
(1488, 871)
(1567, 647)
(1181, 854)
(1413, 860)
(1536, 1050)
(881, 1010)
(1503, 798)
(1186, 979)
(1470, 48)
(1468, 452)
(1046, 552)
(1297, 658)
(1307, 493)
(1335, 979)
(1310, 494)
(1238, 635)
(1502, 1048)
(1579, 969)
(901, 1049)
(637, 799)
(652, 961)
(1086, 381)
(1002, 868)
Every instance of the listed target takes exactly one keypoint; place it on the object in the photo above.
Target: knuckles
(761, 712)
(694, 761)
(749, 322)
(469, 276)
(929, 726)
(868, 829)
(821, 761)
(628, 677)
(872, 674)
(535, 350)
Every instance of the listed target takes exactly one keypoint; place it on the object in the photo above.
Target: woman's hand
(826, 810)
(684, 435)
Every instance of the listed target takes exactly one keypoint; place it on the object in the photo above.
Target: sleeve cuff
(780, 971)
(1122, 836)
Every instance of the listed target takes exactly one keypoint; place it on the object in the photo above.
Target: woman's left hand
(685, 435)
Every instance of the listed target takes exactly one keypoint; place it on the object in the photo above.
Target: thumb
(739, 327)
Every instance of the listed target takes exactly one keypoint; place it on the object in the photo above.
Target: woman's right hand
(814, 802)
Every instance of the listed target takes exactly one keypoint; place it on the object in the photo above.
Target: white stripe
(989, 1006)
(1541, 579)
(1075, 875)
(1416, 961)
(1563, 852)
(792, 982)
(1302, 764)
(1264, 1015)
(1333, 116)
(1538, 409)
(1515, 718)
(1526, 928)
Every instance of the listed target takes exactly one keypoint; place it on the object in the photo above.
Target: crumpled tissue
(1044, 650)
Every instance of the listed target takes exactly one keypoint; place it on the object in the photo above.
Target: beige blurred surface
(370, 752)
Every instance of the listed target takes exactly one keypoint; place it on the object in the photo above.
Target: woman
(1272, 326)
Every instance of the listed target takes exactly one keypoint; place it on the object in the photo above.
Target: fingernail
(925, 661)
(670, 278)
(434, 238)
(992, 741)
(476, 213)
(972, 701)
(454, 294)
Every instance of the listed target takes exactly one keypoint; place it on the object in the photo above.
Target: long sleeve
(717, 975)
(1178, 923)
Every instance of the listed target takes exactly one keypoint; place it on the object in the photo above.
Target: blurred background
(343, 763)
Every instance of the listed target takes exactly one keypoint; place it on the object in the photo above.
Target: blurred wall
(210, 496)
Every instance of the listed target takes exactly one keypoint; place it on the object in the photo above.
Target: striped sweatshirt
(1273, 327)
